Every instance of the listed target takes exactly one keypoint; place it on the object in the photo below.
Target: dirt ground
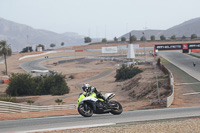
(99, 73)
(163, 126)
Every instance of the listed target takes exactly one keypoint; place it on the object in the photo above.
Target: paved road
(64, 122)
(35, 64)
(184, 62)
(32, 65)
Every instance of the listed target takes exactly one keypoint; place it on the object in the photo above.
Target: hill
(186, 28)
(20, 36)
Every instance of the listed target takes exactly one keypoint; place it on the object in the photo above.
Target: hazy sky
(99, 18)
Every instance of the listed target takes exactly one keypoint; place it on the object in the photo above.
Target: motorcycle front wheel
(117, 109)
(85, 110)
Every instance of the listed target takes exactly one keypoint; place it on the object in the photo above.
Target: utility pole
(28, 43)
(144, 46)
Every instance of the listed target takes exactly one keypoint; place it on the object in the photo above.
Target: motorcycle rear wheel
(118, 110)
(86, 112)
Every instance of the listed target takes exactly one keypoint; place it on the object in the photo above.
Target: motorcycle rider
(90, 89)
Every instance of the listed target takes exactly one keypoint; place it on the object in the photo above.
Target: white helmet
(86, 87)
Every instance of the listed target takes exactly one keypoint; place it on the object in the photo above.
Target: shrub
(30, 102)
(126, 72)
(7, 98)
(21, 85)
(71, 77)
(59, 101)
(58, 85)
(25, 84)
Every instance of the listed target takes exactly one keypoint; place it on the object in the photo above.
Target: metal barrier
(169, 99)
(9, 107)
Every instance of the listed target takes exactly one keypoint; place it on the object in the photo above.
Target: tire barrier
(4, 81)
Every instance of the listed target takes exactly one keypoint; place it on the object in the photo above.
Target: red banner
(185, 46)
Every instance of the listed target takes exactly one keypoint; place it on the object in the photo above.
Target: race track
(77, 121)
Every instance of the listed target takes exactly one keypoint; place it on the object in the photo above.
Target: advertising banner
(194, 46)
(185, 46)
(169, 47)
(122, 47)
(108, 50)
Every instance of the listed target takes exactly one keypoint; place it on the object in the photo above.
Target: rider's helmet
(86, 87)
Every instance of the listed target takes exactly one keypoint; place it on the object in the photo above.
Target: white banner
(109, 50)
(122, 47)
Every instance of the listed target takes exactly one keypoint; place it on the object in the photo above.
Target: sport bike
(89, 104)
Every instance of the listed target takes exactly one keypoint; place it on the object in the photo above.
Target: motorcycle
(89, 104)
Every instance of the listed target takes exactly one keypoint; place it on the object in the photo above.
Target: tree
(183, 37)
(153, 38)
(52, 45)
(193, 36)
(104, 40)
(87, 39)
(133, 38)
(115, 39)
(40, 45)
(162, 37)
(173, 37)
(62, 44)
(27, 49)
(5, 50)
(143, 38)
(123, 39)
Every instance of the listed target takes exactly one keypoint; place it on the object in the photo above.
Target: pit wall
(169, 99)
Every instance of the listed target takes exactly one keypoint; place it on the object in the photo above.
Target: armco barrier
(9, 107)
(169, 99)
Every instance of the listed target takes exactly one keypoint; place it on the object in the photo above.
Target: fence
(9, 107)
(170, 98)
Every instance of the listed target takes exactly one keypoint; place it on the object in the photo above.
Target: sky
(99, 18)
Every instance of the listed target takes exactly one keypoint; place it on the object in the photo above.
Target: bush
(126, 72)
(26, 85)
(71, 77)
(21, 85)
(7, 98)
(30, 102)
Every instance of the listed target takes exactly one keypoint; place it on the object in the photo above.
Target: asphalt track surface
(184, 62)
(77, 121)
(35, 64)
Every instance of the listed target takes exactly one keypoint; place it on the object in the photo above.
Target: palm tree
(5, 50)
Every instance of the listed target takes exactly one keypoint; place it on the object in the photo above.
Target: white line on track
(64, 128)
(187, 83)
(194, 93)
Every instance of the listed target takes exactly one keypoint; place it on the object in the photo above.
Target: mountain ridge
(186, 28)
(20, 36)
